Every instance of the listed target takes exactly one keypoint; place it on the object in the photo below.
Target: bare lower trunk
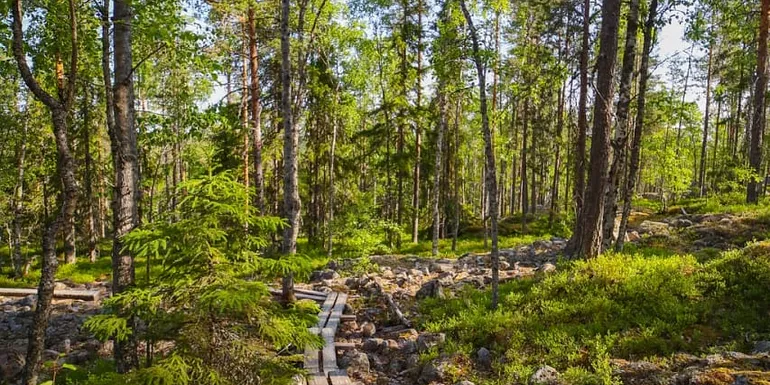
(706, 117)
(636, 141)
(586, 241)
(18, 207)
(125, 202)
(437, 179)
(621, 127)
(758, 121)
(582, 124)
(491, 180)
(291, 203)
(89, 196)
(256, 114)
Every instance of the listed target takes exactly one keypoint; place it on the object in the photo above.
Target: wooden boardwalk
(321, 364)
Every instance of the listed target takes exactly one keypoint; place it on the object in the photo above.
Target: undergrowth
(632, 306)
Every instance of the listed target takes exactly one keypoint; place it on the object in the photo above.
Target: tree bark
(65, 165)
(636, 141)
(621, 127)
(586, 241)
(291, 203)
(437, 178)
(706, 118)
(582, 129)
(18, 206)
(93, 252)
(417, 132)
(491, 180)
(125, 202)
(758, 117)
(256, 114)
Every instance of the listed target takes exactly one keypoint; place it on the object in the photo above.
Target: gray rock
(547, 268)
(654, 228)
(324, 275)
(761, 347)
(368, 329)
(464, 382)
(358, 362)
(431, 289)
(484, 358)
(545, 375)
(374, 345)
(428, 340)
(681, 223)
(433, 371)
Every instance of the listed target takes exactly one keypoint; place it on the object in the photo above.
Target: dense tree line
(365, 125)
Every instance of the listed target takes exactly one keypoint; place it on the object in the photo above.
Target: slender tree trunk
(582, 129)
(458, 181)
(524, 195)
(65, 165)
(706, 117)
(126, 192)
(256, 114)
(621, 127)
(488, 149)
(758, 121)
(417, 132)
(291, 202)
(89, 196)
(636, 141)
(18, 206)
(587, 239)
(437, 179)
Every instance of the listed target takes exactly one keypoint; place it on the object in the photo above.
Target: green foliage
(211, 297)
(615, 306)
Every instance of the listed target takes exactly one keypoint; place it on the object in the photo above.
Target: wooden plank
(348, 317)
(311, 359)
(311, 292)
(85, 295)
(317, 379)
(329, 353)
(317, 298)
(339, 307)
(326, 308)
(346, 345)
(339, 377)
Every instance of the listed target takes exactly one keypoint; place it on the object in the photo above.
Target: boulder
(484, 358)
(653, 228)
(428, 340)
(431, 289)
(324, 275)
(761, 347)
(547, 268)
(358, 362)
(368, 329)
(633, 236)
(545, 375)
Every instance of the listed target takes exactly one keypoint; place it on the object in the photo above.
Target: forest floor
(686, 302)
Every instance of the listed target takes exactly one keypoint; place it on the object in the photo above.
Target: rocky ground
(65, 339)
(383, 347)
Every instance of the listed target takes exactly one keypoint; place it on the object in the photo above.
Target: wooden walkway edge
(85, 295)
(321, 364)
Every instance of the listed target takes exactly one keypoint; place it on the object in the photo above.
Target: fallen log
(393, 306)
(84, 295)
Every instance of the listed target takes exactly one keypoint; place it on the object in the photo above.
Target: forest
(385, 192)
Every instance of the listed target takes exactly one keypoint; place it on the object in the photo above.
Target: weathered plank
(317, 379)
(348, 317)
(346, 345)
(329, 353)
(326, 309)
(339, 377)
(311, 292)
(85, 295)
(339, 307)
(298, 295)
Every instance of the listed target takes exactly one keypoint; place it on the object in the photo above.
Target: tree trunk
(18, 206)
(636, 148)
(621, 126)
(488, 149)
(417, 132)
(65, 165)
(586, 241)
(706, 117)
(758, 121)
(458, 181)
(256, 114)
(88, 182)
(291, 203)
(437, 178)
(125, 204)
(582, 129)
